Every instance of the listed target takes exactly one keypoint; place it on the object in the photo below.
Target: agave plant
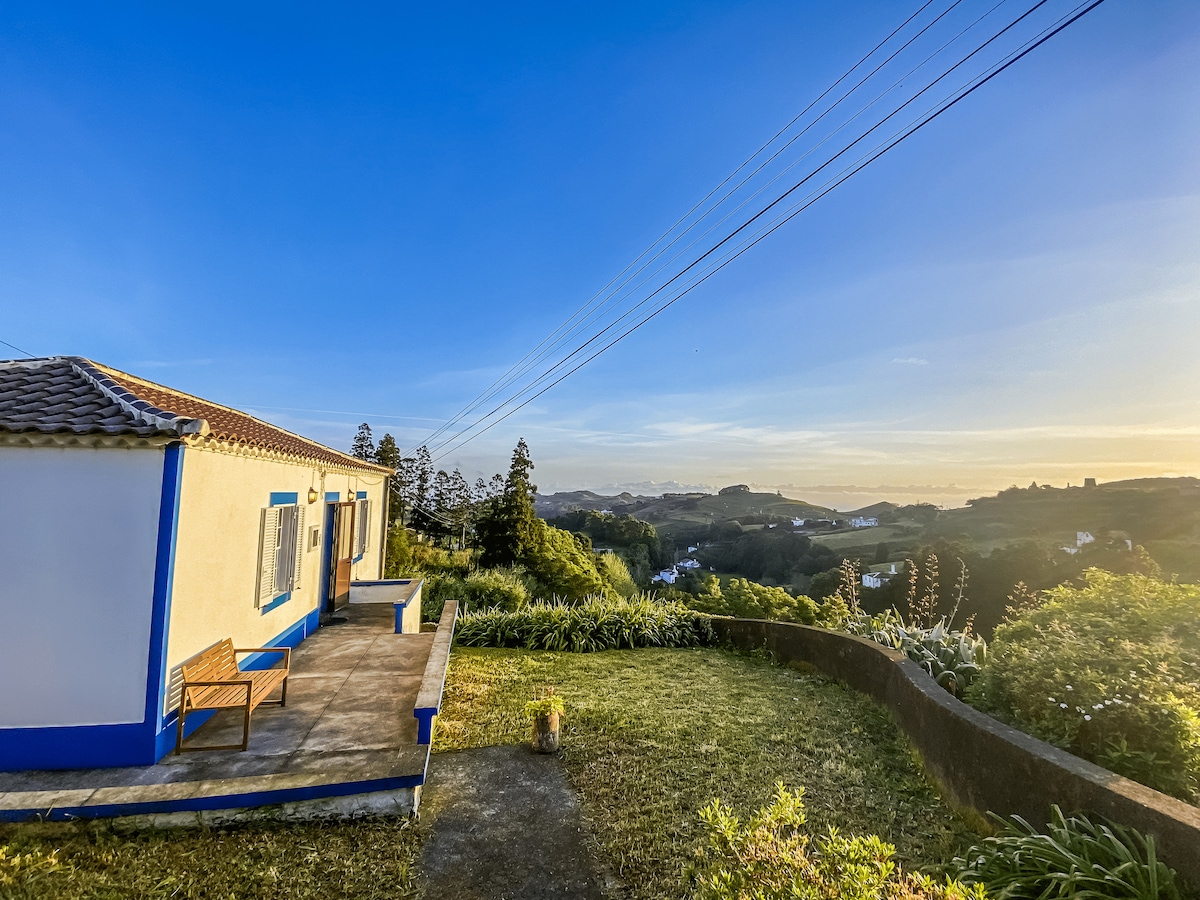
(952, 658)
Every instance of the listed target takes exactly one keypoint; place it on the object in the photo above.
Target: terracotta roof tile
(75, 395)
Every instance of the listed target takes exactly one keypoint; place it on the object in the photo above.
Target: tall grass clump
(1110, 672)
(1073, 858)
(598, 623)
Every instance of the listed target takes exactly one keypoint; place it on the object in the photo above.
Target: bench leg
(283, 696)
(179, 731)
(246, 729)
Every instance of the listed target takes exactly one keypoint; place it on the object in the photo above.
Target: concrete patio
(346, 743)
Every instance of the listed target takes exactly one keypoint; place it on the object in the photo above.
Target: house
(689, 564)
(141, 526)
(798, 523)
(666, 576)
(1084, 537)
(864, 522)
(878, 579)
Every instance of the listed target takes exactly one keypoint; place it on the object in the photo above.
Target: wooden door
(342, 556)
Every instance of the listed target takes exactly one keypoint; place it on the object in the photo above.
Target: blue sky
(326, 215)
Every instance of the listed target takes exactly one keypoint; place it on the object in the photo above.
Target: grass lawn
(652, 736)
(370, 859)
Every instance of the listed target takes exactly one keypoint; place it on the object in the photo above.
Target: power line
(520, 367)
(18, 349)
(623, 316)
(969, 88)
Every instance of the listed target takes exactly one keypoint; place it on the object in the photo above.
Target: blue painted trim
(284, 498)
(360, 583)
(333, 496)
(225, 801)
(326, 551)
(164, 579)
(361, 495)
(76, 747)
(424, 719)
(357, 558)
(278, 601)
(399, 609)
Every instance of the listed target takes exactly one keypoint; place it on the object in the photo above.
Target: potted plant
(545, 711)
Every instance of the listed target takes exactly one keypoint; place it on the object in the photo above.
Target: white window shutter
(268, 538)
(298, 550)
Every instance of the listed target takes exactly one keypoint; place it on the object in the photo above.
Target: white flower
(1097, 706)
(1069, 688)
(1063, 705)
(1051, 699)
(1087, 718)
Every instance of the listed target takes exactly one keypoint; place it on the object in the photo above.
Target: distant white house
(606, 512)
(689, 564)
(878, 579)
(692, 549)
(864, 522)
(1084, 537)
(666, 576)
(1068, 549)
(798, 523)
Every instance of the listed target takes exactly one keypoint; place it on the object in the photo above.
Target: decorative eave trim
(62, 439)
(254, 451)
(129, 402)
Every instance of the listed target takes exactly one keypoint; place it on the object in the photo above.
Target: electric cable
(971, 86)
(615, 324)
(502, 382)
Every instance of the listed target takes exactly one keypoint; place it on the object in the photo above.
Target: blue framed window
(281, 550)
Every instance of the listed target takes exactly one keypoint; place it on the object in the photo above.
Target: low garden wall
(980, 762)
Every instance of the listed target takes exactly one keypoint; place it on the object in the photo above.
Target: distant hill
(549, 506)
(674, 512)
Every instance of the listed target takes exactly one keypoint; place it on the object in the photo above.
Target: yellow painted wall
(217, 548)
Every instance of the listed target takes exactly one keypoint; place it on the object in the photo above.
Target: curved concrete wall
(981, 763)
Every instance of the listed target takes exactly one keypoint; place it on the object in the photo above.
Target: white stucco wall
(78, 535)
(216, 563)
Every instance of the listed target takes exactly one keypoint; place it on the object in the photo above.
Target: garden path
(504, 823)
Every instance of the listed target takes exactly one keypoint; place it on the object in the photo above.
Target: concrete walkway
(346, 738)
(505, 824)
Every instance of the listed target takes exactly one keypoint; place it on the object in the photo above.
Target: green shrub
(440, 587)
(614, 571)
(772, 857)
(1109, 671)
(596, 624)
(746, 599)
(1073, 858)
(498, 588)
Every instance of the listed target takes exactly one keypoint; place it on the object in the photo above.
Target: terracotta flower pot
(545, 733)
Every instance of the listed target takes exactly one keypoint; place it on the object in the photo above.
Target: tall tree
(388, 454)
(364, 445)
(508, 530)
(420, 491)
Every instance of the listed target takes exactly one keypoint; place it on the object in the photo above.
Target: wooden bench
(212, 680)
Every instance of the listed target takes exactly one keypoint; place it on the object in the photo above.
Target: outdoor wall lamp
(312, 495)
